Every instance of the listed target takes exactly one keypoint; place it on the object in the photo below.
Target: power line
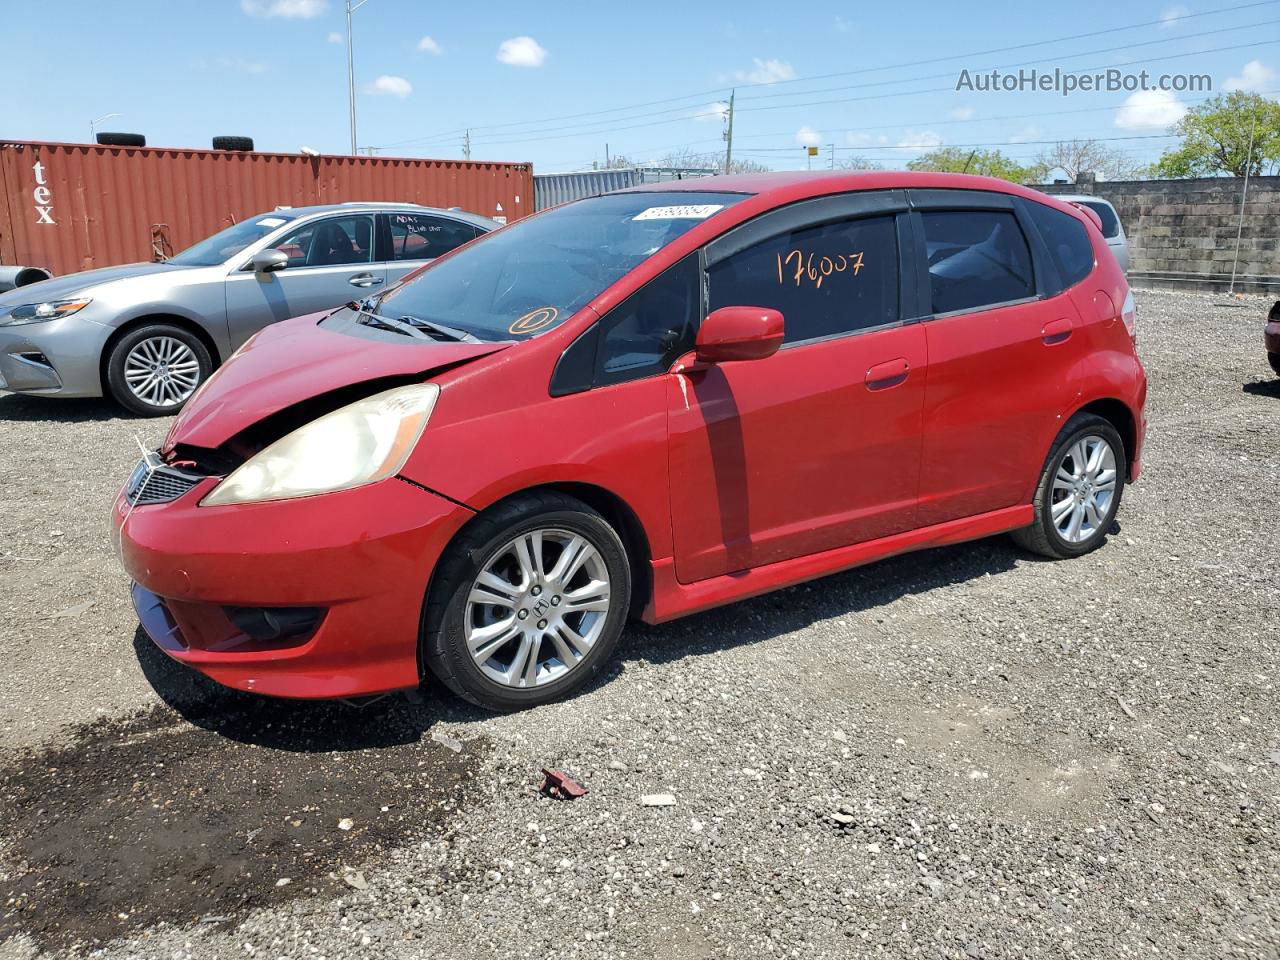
(897, 66)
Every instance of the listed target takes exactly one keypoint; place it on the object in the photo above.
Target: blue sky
(522, 75)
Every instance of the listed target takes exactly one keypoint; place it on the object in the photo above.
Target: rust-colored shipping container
(67, 207)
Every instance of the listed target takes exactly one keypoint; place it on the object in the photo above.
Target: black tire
(443, 636)
(233, 143)
(1275, 362)
(1043, 536)
(122, 140)
(118, 386)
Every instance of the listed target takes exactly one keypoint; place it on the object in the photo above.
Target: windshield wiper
(386, 323)
(449, 333)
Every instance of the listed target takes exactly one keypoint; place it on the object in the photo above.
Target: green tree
(985, 163)
(1215, 138)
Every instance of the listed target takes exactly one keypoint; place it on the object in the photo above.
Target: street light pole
(351, 72)
(93, 125)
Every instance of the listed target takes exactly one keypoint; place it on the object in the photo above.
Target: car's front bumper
(361, 558)
(59, 357)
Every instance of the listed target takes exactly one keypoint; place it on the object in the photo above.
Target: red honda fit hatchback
(646, 403)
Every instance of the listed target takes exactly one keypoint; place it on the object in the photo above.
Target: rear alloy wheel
(1079, 491)
(154, 370)
(528, 603)
(1275, 362)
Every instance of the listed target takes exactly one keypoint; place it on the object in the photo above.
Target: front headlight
(362, 443)
(41, 312)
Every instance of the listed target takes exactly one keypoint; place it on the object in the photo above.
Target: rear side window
(415, 236)
(1068, 242)
(1110, 222)
(977, 258)
(827, 280)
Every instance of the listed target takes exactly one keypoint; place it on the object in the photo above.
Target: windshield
(227, 243)
(528, 278)
(1110, 225)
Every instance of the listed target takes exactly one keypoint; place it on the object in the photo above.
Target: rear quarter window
(1068, 242)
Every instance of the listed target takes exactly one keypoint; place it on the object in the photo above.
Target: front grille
(158, 485)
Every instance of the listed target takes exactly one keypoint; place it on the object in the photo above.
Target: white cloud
(1254, 78)
(962, 113)
(713, 111)
(1150, 110)
(336, 38)
(285, 9)
(429, 45)
(1027, 133)
(766, 71)
(843, 25)
(1171, 16)
(808, 137)
(915, 141)
(522, 52)
(390, 86)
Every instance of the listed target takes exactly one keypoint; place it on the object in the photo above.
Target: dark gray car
(148, 334)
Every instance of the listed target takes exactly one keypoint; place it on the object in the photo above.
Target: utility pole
(466, 146)
(606, 156)
(1248, 168)
(833, 155)
(351, 71)
(728, 136)
(93, 125)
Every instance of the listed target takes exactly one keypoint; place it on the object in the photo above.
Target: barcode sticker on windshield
(691, 211)
(271, 222)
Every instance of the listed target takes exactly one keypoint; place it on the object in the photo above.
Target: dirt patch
(152, 819)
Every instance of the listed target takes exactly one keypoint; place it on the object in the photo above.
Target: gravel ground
(962, 753)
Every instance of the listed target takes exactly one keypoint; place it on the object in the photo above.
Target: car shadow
(297, 726)
(1264, 388)
(19, 407)
(794, 608)
(403, 718)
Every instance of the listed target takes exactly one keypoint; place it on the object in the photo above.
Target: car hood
(74, 283)
(295, 360)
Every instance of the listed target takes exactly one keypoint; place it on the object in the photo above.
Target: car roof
(378, 206)
(788, 186)
(1083, 198)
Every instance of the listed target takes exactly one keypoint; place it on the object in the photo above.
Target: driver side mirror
(739, 333)
(269, 261)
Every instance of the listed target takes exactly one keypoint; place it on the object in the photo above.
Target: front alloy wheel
(154, 369)
(537, 607)
(527, 603)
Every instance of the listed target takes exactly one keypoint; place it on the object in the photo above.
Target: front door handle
(891, 373)
(364, 280)
(1056, 331)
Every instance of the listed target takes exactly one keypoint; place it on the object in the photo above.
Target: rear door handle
(364, 280)
(891, 373)
(1056, 331)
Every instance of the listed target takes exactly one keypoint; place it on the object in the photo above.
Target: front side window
(416, 236)
(645, 333)
(826, 280)
(533, 275)
(1068, 242)
(330, 242)
(977, 258)
(225, 244)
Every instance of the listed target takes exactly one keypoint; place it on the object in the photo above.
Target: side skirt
(673, 599)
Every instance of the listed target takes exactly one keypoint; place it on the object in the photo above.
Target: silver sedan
(148, 334)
